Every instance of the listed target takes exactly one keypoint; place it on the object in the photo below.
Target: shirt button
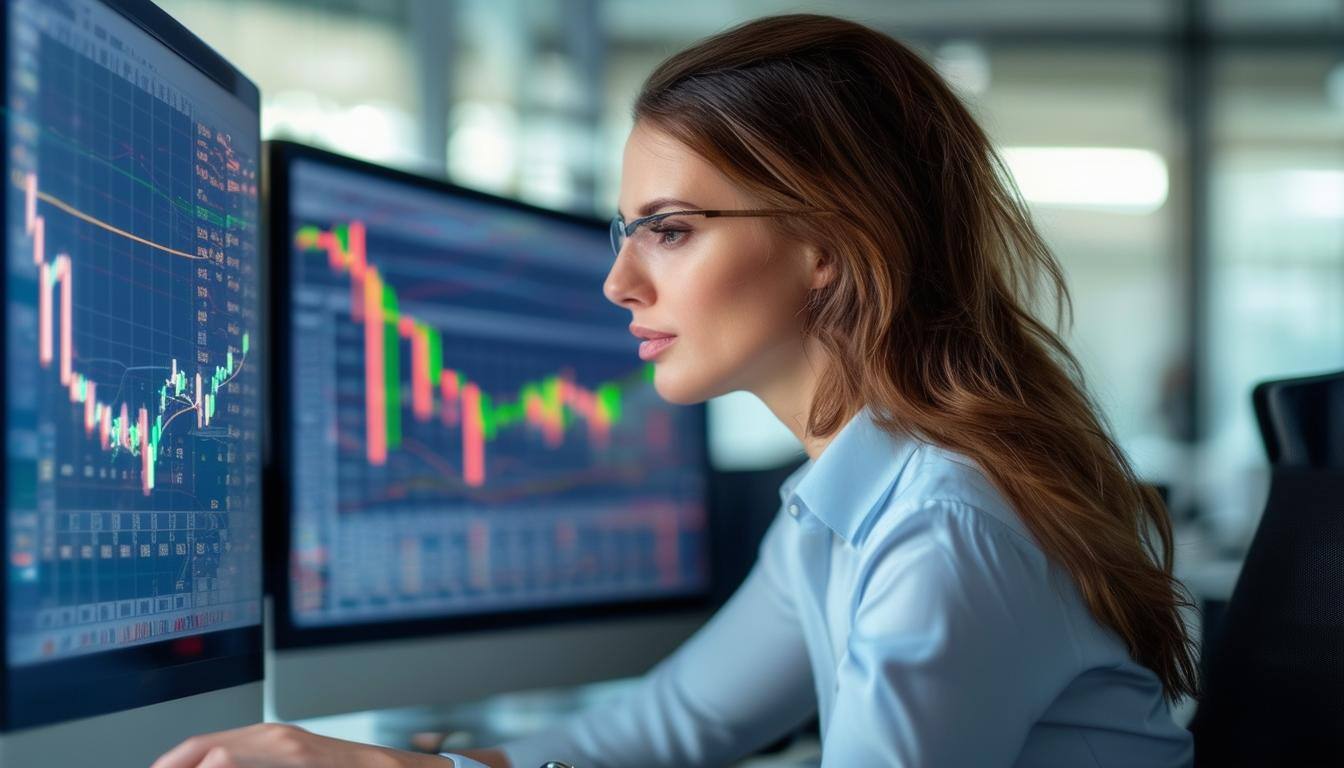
(793, 510)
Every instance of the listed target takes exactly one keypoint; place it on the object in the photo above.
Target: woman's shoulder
(946, 526)
(939, 487)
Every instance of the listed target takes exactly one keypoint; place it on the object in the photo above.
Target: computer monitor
(477, 488)
(132, 386)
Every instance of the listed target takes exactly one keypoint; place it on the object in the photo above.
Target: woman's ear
(822, 267)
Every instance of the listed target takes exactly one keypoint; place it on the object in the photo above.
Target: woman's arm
(737, 684)
(273, 745)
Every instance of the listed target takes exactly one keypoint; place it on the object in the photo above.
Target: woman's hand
(271, 745)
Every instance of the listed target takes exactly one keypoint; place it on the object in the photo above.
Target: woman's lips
(651, 348)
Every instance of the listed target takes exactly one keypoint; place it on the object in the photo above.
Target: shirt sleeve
(741, 681)
(955, 649)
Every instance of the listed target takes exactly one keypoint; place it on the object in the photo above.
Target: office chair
(1302, 420)
(1273, 671)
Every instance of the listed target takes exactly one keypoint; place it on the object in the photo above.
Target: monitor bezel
(110, 681)
(279, 157)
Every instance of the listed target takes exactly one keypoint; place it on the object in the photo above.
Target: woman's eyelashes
(670, 235)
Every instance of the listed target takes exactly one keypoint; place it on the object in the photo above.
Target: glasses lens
(617, 235)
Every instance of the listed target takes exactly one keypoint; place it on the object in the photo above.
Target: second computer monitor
(466, 437)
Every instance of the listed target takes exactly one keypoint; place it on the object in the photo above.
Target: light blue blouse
(898, 595)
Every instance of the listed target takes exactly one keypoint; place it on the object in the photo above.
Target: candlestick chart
(472, 428)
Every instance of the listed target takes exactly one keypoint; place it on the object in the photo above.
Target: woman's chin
(678, 389)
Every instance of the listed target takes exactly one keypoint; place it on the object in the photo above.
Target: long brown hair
(930, 319)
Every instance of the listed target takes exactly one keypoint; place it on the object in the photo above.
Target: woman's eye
(669, 235)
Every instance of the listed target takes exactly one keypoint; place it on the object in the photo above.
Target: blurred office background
(1184, 158)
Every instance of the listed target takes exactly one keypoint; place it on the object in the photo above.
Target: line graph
(36, 225)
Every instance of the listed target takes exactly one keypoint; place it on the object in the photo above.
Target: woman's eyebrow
(657, 204)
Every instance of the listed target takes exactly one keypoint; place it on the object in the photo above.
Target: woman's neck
(790, 392)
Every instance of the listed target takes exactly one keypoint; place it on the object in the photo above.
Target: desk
(488, 722)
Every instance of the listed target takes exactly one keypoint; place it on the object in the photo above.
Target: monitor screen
(131, 362)
(469, 431)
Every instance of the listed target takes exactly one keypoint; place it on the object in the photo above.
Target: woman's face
(725, 294)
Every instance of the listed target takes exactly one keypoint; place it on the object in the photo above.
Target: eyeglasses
(621, 231)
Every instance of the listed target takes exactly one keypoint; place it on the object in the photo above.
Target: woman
(966, 572)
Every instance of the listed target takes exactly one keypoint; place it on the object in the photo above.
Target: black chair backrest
(1274, 682)
(1302, 420)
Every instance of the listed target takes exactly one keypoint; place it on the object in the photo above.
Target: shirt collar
(851, 478)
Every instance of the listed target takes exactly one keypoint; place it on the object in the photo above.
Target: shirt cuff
(462, 762)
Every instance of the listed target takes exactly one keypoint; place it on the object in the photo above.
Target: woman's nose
(627, 285)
